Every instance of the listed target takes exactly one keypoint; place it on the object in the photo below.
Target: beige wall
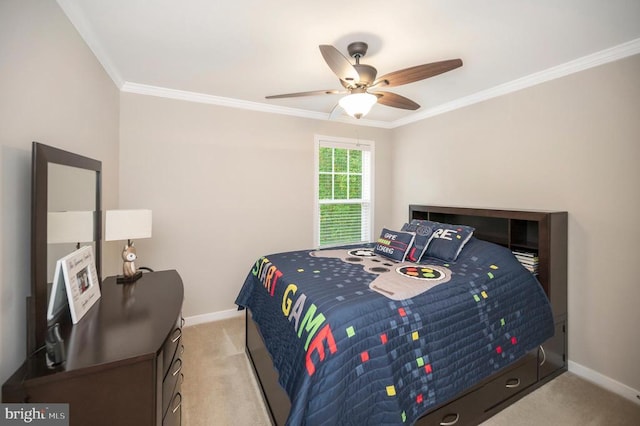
(570, 144)
(226, 186)
(54, 91)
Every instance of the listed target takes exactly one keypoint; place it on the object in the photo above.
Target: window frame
(322, 141)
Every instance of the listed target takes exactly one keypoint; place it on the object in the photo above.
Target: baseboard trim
(603, 381)
(213, 316)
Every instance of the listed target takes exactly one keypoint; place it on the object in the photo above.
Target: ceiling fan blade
(339, 64)
(312, 93)
(419, 72)
(395, 100)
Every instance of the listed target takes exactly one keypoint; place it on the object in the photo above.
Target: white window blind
(344, 180)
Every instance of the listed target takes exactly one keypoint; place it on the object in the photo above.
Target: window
(344, 188)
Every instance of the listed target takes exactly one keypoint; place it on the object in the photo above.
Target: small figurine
(129, 255)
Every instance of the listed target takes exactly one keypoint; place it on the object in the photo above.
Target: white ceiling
(236, 52)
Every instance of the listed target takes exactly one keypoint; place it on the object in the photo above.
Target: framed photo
(77, 274)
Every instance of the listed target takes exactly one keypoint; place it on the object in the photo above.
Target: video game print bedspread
(358, 339)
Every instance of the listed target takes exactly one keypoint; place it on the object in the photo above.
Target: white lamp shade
(358, 104)
(69, 227)
(127, 224)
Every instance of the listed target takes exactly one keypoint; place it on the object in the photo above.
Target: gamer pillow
(394, 244)
(424, 231)
(447, 241)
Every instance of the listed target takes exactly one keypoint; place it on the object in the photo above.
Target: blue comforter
(357, 339)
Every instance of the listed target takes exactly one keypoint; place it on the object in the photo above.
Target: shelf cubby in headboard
(541, 233)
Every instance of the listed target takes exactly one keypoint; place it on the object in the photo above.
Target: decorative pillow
(424, 231)
(394, 244)
(448, 240)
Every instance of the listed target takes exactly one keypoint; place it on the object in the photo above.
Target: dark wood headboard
(543, 233)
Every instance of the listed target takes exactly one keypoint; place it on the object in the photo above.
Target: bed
(350, 336)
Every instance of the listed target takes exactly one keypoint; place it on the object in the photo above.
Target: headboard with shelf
(543, 233)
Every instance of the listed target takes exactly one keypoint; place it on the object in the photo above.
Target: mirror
(71, 198)
(66, 196)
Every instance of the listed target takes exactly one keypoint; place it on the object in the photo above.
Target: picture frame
(76, 275)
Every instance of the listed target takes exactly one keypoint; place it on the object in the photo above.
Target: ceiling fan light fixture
(358, 78)
(358, 105)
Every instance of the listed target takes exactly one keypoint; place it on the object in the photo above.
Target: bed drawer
(273, 394)
(472, 407)
(463, 411)
(552, 353)
(511, 382)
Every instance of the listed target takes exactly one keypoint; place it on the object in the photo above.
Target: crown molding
(163, 92)
(78, 20)
(599, 58)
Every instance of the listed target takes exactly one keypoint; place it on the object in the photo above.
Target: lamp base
(121, 279)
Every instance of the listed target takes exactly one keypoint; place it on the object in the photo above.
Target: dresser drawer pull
(175, 338)
(175, 373)
(455, 416)
(513, 383)
(181, 349)
(182, 321)
(544, 355)
(179, 403)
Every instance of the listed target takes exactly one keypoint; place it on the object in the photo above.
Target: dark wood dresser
(124, 358)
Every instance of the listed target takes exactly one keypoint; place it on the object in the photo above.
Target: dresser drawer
(171, 384)
(170, 346)
(174, 414)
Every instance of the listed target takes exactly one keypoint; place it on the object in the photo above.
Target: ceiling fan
(360, 82)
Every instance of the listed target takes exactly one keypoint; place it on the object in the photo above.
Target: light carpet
(219, 389)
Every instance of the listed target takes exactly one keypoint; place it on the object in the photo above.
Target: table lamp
(128, 225)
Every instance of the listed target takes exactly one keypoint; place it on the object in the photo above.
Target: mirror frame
(42, 156)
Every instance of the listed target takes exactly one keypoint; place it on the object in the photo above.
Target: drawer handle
(175, 373)
(177, 407)
(181, 349)
(176, 338)
(544, 355)
(182, 321)
(450, 422)
(513, 383)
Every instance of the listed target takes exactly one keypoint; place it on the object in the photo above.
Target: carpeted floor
(219, 389)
